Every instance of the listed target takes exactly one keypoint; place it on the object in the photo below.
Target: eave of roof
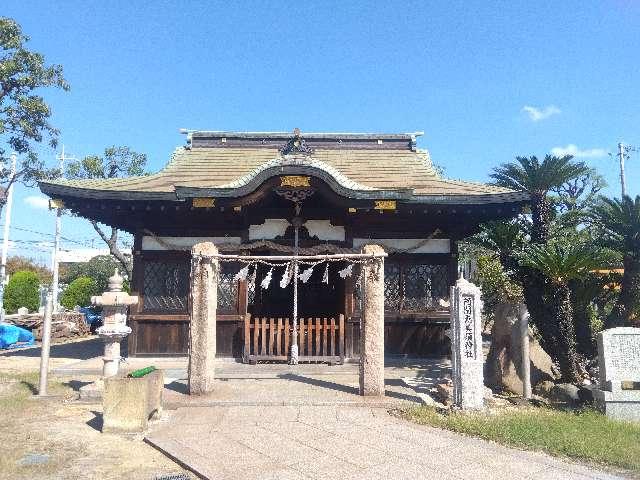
(353, 170)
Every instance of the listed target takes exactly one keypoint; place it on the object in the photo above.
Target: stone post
(115, 304)
(523, 317)
(202, 331)
(372, 325)
(466, 346)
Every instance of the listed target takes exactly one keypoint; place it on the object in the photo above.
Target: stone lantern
(114, 303)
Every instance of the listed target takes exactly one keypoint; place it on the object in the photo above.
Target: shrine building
(266, 193)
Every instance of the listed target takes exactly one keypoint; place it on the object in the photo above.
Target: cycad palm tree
(560, 263)
(504, 239)
(620, 224)
(538, 178)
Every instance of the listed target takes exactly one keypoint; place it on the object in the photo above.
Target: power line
(85, 243)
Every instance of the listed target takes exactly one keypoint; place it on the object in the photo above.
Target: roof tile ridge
(494, 188)
(298, 161)
(425, 158)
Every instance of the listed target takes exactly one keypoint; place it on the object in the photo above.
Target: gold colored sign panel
(56, 203)
(385, 205)
(204, 202)
(295, 181)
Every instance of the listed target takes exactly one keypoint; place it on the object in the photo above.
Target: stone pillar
(115, 304)
(466, 346)
(523, 317)
(372, 325)
(202, 331)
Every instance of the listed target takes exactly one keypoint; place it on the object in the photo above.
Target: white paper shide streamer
(252, 279)
(286, 276)
(267, 279)
(306, 274)
(242, 274)
(325, 277)
(346, 271)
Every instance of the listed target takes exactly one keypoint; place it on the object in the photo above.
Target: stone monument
(466, 346)
(619, 370)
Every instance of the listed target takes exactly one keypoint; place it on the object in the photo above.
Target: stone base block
(92, 391)
(619, 405)
(128, 403)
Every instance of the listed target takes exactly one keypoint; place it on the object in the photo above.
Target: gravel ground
(60, 438)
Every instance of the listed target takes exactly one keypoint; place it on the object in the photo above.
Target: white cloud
(537, 114)
(573, 150)
(36, 201)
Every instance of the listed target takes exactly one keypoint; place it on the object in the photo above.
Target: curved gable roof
(365, 166)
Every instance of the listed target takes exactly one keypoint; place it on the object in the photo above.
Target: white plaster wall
(150, 243)
(435, 245)
(275, 227)
(324, 230)
(270, 229)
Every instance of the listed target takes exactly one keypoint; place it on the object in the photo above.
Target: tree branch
(112, 242)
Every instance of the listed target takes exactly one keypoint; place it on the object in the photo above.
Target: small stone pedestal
(619, 369)
(130, 402)
(115, 304)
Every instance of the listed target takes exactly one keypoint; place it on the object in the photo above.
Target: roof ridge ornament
(296, 144)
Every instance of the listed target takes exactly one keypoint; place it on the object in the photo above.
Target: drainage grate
(173, 476)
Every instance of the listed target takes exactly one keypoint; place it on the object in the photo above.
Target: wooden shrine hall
(261, 194)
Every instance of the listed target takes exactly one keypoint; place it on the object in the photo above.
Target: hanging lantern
(267, 279)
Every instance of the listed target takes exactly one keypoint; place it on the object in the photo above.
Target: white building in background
(80, 255)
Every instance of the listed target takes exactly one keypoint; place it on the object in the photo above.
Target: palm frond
(531, 175)
(564, 261)
(619, 220)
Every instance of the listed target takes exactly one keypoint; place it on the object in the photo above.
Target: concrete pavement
(340, 442)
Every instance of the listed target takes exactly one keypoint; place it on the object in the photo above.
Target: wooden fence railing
(269, 339)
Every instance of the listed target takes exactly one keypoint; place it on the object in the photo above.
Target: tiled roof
(355, 169)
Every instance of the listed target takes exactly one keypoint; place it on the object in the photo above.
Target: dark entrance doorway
(315, 298)
(268, 329)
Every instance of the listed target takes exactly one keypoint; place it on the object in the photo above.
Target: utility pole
(621, 154)
(46, 347)
(5, 240)
(56, 244)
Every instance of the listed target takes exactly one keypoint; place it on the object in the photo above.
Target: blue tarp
(91, 316)
(14, 337)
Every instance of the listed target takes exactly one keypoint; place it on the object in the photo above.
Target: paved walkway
(339, 442)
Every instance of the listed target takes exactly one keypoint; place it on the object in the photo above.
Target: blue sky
(463, 72)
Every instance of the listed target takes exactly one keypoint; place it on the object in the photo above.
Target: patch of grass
(585, 434)
(16, 390)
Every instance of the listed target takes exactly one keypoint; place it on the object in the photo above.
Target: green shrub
(79, 292)
(495, 283)
(23, 290)
(99, 268)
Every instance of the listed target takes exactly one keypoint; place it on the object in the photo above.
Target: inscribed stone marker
(466, 346)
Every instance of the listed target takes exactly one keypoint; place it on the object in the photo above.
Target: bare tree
(117, 162)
